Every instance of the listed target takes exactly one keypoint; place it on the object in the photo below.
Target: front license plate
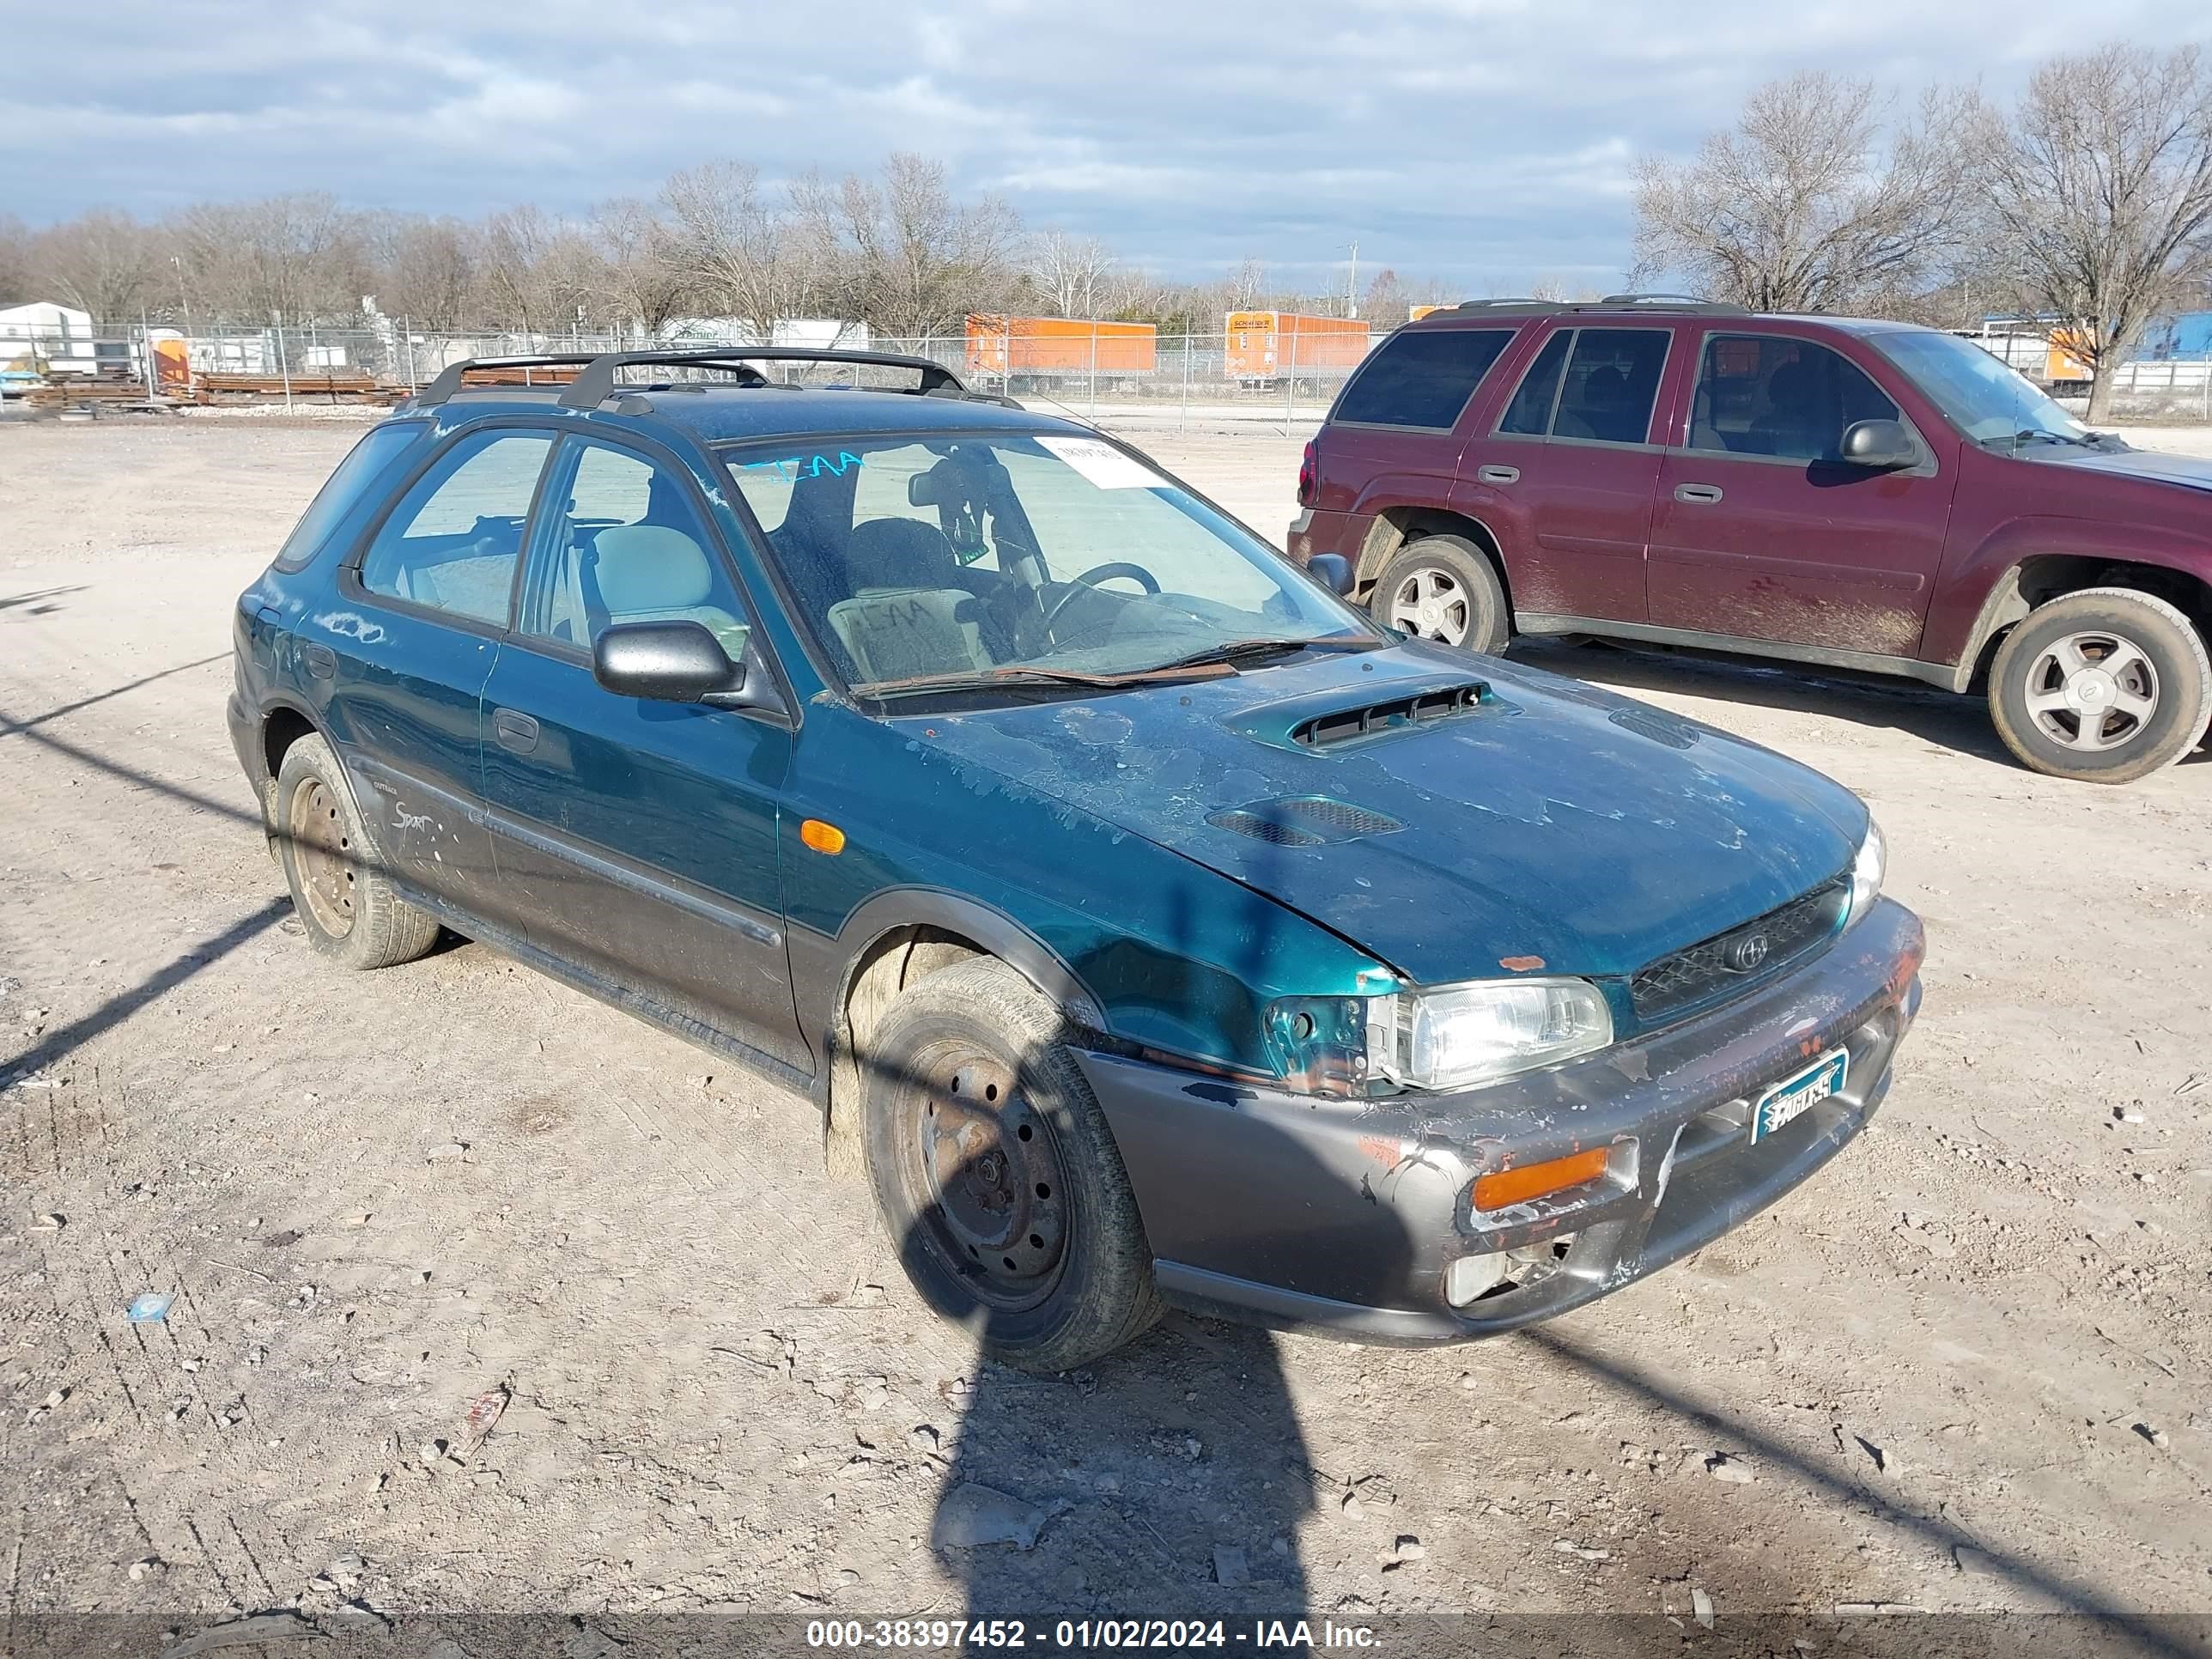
(1786, 1101)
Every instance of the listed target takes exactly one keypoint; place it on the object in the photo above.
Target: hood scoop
(1423, 707)
(1303, 821)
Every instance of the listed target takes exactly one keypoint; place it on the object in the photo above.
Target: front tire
(1443, 588)
(996, 1174)
(2107, 685)
(344, 900)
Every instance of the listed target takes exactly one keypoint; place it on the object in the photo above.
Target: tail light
(1306, 475)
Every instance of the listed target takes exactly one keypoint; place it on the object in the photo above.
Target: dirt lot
(1964, 1369)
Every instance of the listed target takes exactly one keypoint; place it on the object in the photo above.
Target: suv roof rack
(594, 381)
(1610, 302)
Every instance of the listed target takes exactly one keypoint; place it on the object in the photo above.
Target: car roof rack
(1667, 302)
(595, 378)
(1610, 302)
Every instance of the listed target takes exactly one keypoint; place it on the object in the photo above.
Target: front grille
(1737, 960)
(1304, 821)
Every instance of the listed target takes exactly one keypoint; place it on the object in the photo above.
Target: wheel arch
(887, 944)
(1394, 526)
(2037, 579)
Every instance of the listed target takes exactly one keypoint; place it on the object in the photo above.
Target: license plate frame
(1797, 1094)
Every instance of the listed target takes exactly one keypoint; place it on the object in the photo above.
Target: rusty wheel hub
(991, 1172)
(323, 853)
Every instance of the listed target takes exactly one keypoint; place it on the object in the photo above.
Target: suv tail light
(1306, 475)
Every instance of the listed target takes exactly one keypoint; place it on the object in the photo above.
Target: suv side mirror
(1332, 571)
(1878, 445)
(674, 662)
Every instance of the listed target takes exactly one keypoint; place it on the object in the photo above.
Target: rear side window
(452, 542)
(379, 447)
(1422, 378)
(1597, 385)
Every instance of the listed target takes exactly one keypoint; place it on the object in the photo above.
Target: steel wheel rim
(322, 854)
(1431, 603)
(987, 1168)
(2092, 691)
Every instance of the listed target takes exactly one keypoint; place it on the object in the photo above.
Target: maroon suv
(1857, 494)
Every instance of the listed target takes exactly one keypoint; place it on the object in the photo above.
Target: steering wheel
(1091, 579)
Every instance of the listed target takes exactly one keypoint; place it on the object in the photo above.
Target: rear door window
(1422, 378)
(364, 463)
(1611, 382)
(1529, 414)
(452, 542)
(1779, 397)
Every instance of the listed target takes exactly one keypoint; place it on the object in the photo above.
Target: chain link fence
(1268, 368)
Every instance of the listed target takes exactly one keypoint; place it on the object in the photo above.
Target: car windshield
(940, 562)
(1986, 399)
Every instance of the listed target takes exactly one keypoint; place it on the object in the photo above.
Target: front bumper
(1346, 1215)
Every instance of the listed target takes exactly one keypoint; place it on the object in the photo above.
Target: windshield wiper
(2030, 434)
(1016, 674)
(1237, 650)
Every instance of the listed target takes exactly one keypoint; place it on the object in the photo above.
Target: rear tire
(996, 1174)
(344, 900)
(2107, 685)
(1444, 588)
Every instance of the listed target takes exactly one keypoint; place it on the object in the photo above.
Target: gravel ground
(1963, 1369)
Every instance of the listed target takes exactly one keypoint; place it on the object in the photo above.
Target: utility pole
(1352, 285)
(183, 294)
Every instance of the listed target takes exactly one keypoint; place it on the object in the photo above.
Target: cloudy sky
(1487, 142)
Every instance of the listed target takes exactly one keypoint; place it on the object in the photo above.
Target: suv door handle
(514, 731)
(1498, 475)
(322, 661)
(1705, 494)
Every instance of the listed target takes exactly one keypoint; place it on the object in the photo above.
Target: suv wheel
(2103, 686)
(344, 900)
(1442, 588)
(996, 1174)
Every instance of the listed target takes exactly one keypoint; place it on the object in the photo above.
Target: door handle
(514, 731)
(1498, 475)
(1703, 494)
(322, 661)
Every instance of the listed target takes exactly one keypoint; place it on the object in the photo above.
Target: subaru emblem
(1741, 955)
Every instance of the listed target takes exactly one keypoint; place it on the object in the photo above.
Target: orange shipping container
(1267, 345)
(1000, 346)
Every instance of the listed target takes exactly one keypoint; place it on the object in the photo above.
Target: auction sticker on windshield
(1102, 464)
(1787, 1100)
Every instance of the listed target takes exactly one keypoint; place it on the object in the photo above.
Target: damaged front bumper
(1348, 1216)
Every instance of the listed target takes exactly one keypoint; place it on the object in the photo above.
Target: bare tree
(14, 260)
(646, 283)
(906, 255)
(1247, 286)
(2101, 185)
(743, 255)
(101, 262)
(300, 254)
(1808, 205)
(1077, 276)
(426, 272)
(538, 271)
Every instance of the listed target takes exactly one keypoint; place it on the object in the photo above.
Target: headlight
(1867, 871)
(1453, 1036)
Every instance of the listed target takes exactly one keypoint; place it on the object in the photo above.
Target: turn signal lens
(1501, 1190)
(821, 837)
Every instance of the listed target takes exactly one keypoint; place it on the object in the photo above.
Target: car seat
(907, 615)
(650, 573)
(1791, 425)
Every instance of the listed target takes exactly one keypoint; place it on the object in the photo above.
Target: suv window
(1594, 384)
(379, 447)
(627, 546)
(451, 543)
(1422, 378)
(1770, 394)
(1612, 381)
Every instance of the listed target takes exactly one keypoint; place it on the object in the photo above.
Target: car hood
(2186, 470)
(1545, 820)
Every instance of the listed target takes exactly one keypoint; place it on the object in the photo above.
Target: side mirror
(1332, 571)
(673, 662)
(1878, 445)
